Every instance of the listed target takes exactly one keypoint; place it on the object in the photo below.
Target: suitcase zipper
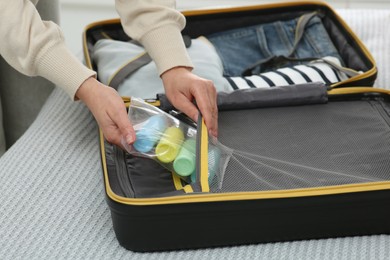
(279, 194)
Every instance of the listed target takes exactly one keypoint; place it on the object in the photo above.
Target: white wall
(76, 14)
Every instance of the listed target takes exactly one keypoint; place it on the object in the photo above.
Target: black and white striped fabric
(316, 71)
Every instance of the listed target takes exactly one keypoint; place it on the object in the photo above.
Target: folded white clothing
(111, 55)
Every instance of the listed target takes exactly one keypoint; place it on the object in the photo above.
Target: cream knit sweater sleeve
(157, 26)
(36, 48)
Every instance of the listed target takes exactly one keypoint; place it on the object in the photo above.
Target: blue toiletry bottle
(150, 133)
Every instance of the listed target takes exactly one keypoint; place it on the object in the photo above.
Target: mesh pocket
(305, 146)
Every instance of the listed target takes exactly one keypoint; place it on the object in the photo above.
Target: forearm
(36, 48)
(157, 26)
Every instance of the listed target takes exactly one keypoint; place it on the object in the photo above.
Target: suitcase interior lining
(280, 148)
(128, 178)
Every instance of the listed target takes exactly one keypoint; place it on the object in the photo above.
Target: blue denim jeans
(239, 48)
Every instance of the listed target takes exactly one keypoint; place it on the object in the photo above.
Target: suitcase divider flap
(290, 95)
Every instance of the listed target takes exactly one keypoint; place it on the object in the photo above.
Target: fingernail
(129, 139)
(213, 133)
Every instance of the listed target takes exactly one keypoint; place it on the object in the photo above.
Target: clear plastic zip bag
(172, 143)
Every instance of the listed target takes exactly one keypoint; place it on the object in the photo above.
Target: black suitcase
(304, 161)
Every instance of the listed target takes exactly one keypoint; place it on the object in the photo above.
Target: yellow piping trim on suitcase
(278, 194)
(357, 90)
(253, 7)
(85, 50)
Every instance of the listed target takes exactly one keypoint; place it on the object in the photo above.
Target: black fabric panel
(291, 95)
(142, 177)
(302, 94)
(232, 223)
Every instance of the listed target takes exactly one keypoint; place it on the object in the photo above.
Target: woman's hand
(182, 87)
(109, 111)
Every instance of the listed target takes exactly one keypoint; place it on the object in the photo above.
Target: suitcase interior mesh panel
(305, 146)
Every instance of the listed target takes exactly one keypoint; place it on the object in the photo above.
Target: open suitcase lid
(204, 22)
